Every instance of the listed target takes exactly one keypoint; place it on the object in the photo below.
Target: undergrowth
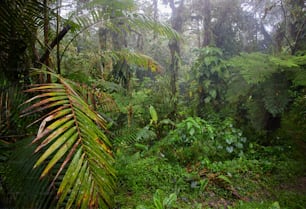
(192, 167)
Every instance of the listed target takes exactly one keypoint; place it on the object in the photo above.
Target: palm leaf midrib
(70, 130)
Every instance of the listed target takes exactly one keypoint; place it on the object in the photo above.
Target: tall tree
(208, 37)
(177, 20)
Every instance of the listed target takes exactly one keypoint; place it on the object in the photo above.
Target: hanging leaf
(153, 114)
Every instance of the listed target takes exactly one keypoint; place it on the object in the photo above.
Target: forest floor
(274, 179)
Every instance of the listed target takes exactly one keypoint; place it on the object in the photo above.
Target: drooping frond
(11, 127)
(254, 67)
(19, 15)
(72, 146)
(128, 22)
(257, 67)
(133, 59)
(275, 94)
(142, 22)
(25, 190)
(19, 21)
(300, 78)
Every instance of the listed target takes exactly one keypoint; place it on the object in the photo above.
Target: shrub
(195, 139)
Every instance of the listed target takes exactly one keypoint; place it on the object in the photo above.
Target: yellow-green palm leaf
(72, 146)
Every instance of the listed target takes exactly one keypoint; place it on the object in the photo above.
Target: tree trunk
(207, 39)
(46, 41)
(155, 14)
(174, 46)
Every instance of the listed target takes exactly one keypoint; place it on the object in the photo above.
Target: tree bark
(207, 39)
(174, 46)
(46, 41)
(155, 14)
(55, 42)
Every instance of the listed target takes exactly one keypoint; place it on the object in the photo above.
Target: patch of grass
(257, 205)
(140, 177)
(291, 199)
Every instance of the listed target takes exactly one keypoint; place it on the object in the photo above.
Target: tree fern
(72, 146)
(254, 67)
(262, 81)
(300, 78)
(257, 67)
(276, 94)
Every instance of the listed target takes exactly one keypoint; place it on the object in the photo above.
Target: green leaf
(157, 199)
(59, 154)
(153, 114)
(73, 145)
(168, 201)
(225, 179)
(300, 78)
(141, 207)
(59, 142)
(213, 93)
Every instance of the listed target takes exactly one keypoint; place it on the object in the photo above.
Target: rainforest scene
(152, 104)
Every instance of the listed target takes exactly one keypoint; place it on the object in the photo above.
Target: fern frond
(257, 67)
(300, 78)
(132, 135)
(254, 67)
(72, 144)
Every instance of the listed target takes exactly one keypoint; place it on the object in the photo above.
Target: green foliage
(12, 130)
(22, 17)
(73, 148)
(129, 21)
(153, 113)
(257, 67)
(207, 79)
(260, 85)
(195, 139)
(300, 78)
(137, 174)
(291, 199)
(255, 205)
(11, 127)
(276, 94)
(294, 121)
(25, 188)
(161, 203)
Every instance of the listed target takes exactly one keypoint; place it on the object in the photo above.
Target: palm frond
(22, 181)
(73, 146)
(128, 22)
(11, 127)
(133, 59)
(142, 22)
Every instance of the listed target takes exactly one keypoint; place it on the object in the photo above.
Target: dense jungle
(152, 104)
